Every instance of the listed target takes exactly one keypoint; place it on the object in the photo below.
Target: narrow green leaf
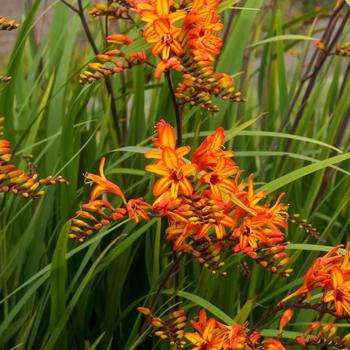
(282, 38)
(299, 173)
(312, 247)
(244, 313)
(226, 4)
(58, 276)
(206, 305)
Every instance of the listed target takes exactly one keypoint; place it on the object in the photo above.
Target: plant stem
(296, 305)
(339, 138)
(108, 83)
(315, 67)
(70, 6)
(172, 272)
(177, 109)
(313, 62)
(319, 64)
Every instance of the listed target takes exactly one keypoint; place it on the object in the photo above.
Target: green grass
(59, 294)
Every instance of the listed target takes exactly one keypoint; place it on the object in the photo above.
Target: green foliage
(57, 294)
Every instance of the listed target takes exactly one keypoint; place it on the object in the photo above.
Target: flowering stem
(107, 80)
(339, 138)
(177, 109)
(70, 6)
(172, 272)
(317, 62)
(296, 305)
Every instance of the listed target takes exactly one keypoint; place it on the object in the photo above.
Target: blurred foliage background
(293, 133)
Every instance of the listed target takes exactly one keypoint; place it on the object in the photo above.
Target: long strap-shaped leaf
(299, 173)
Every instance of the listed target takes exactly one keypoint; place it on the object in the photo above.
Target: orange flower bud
(144, 310)
(301, 340)
(119, 39)
(286, 317)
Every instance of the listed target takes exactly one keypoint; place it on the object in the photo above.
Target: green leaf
(244, 313)
(62, 323)
(236, 130)
(58, 276)
(282, 38)
(312, 247)
(258, 133)
(206, 305)
(133, 149)
(275, 333)
(226, 4)
(299, 173)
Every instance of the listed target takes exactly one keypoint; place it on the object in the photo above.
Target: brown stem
(177, 109)
(108, 83)
(243, 77)
(320, 60)
(70, 6)
(340, 135)
(172, 272)
(227, 29)
(296, 305)
(319, 64)
(307, 74)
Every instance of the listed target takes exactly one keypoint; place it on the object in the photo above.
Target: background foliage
(57, 294)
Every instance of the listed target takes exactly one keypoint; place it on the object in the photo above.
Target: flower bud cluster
(6, 24)
(113, 61)
(17, 181)
(184, 35)
(210, 211)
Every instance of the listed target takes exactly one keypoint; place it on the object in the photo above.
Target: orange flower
(170, 165)
(210, 334)
(163, 35)
(201, 206)
(174, 172)
(273, 344)
(221, 178)
(213, 335)
(203, 13)
(256, 232)
(166, 138)
(263, 229)
(204, 335)
(138, 208)
(102, 185)
(184, 35)
(161, 30)
(172, 63)
(331, 273)
(211, 150)
(205, 41)
(164, 204)
(219, 225)
(98, 213)
(339, 294)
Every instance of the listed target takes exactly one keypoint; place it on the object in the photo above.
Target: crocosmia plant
(199, 188)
